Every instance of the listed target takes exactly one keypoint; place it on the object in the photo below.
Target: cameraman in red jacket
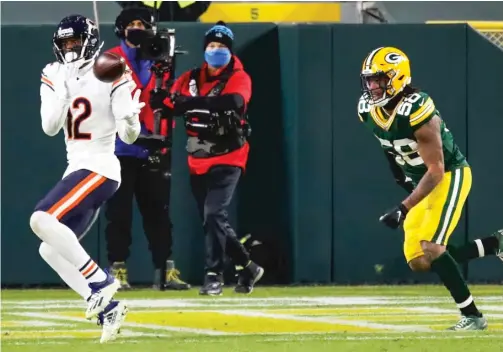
(213, 100)
(142, 175)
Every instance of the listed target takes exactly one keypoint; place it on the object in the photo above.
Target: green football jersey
(396, 133)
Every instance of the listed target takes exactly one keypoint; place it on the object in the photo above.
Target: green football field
(362, 318)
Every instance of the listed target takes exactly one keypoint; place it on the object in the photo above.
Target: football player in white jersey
(91, 113)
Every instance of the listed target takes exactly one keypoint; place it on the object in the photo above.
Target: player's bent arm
(126, 110)
(430, 148)
(53, 110)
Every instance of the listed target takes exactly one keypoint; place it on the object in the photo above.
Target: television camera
(160, 47)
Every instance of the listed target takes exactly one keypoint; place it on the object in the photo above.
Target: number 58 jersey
(396, 133)
(89, 111)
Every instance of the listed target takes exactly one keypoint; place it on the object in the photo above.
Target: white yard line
(36, 323)
(293, 337)
(220, 302)
(128, 324)
(37, 342)
(486, 310)
(71, 333)
(237, 306)
(62, 331)
(341, 299)
(444, 336)
(363, 324)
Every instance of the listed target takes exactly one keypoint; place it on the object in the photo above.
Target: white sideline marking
(249, 302)
(133, 325)
(301, 337)
(38, 342)
(433, 310)
(366, 324)
(70, 334)
(33, 323)
(234, 306)
(444, 336)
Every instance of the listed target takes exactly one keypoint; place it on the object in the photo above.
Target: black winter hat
(219, 33)
(131, 14)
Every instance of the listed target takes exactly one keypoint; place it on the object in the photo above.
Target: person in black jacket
(141, 177)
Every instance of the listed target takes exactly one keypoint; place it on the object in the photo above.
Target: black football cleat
(213, 284)
(248, 277)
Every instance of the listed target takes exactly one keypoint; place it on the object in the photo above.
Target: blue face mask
(217, 57)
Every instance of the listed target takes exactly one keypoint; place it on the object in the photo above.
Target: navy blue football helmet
(76, 27)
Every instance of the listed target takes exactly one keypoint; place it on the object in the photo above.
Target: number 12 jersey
(91, 113)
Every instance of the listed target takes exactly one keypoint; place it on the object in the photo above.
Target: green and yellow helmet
(391, 67)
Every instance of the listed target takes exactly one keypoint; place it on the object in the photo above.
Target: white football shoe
(111, 319)
(102, 294)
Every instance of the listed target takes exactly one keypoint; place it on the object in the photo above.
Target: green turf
(402, 290)
(272, 319)
(251, 344)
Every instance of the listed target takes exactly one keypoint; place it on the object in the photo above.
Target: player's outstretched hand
(137, 104)
(64, 79)
(61, 85)
(394, 217)
(72, 69)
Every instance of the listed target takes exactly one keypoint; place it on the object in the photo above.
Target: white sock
(92, 272)
(65, 242)
(68, 273)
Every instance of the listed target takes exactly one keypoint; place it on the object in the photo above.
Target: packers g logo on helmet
(394, 58)
(385, 73)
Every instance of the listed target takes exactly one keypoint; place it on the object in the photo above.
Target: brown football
(109, 67)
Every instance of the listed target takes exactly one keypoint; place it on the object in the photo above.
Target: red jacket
(146, 114)
(238, 83)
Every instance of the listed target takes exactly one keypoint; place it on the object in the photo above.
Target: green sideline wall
(316, 181)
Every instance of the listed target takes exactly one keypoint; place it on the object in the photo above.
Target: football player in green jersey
(426, 161)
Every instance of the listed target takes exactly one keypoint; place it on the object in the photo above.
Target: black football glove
(394, 217)
(182, 103)
(157, 97)
(406, 184)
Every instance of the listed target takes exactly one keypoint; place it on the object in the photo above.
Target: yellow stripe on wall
(272, 12)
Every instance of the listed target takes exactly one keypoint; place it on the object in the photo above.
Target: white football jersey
(91, 113)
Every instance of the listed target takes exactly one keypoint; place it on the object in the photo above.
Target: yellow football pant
(436, 216)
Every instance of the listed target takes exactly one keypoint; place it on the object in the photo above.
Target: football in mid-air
(109, 67)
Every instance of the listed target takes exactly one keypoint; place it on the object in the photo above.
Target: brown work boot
(172, 278)
(119, 271)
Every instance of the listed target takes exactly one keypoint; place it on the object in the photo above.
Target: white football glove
(128, 126)
(136, 106)
(71, 70)
(60, 84)
(62, 76)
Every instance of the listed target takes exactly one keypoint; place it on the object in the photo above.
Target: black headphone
(129, 15)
